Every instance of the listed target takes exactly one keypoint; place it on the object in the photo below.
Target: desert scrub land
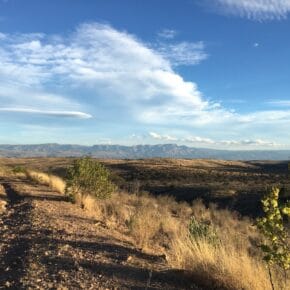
(152, 242)
(235, 185)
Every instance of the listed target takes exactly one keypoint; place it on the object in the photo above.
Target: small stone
(7, 284)
(129, 258)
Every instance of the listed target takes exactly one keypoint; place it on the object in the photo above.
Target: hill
(138, 151)
(132, 239)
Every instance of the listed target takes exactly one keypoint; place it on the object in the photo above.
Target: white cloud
(279, 103)
(116, 76)
(203, 141)
(183, 53)
(167, 33)
(255, 9)
(256, 142)
(162, 137)
(264, 117)
(62, 114)
(196, 139)
(12, 94)
(97, 60)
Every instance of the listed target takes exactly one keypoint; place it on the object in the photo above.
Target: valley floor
(49, 243)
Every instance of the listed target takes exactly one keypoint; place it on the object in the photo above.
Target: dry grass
(221, 267)
(3, 199)
(160, 225)
(4, 171)
(53, 181)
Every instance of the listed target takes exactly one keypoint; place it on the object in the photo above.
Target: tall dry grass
(220, 267)
(160, 225)
(3, 199)
(55, 182)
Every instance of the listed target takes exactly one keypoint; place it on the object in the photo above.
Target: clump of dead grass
(55, 182)
(3, 199)
(221, 267)
(134, 215)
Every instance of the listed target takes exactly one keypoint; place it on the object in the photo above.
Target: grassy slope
(158, 226)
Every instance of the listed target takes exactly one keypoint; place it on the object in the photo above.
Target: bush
(203, 231)
(89, 177)
(18, 169)
(276, 247)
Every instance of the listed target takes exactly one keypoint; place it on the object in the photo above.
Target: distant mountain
(138, 151)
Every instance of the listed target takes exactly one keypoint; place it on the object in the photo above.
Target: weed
(203, 231)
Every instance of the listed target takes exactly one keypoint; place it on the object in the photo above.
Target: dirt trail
(49, 243)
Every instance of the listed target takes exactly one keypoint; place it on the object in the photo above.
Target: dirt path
(49, 243)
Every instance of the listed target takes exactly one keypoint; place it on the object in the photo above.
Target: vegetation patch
(276, 246)
(203, 231)
(89, 177)
(217, 247)
(55, 182)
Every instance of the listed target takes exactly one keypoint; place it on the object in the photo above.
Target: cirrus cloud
(167, 33)
(254, 9)
(183, 53)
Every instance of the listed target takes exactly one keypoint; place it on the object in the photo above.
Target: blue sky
(200, 73)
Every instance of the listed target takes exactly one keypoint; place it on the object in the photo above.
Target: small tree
(89, 177)
(276, 245)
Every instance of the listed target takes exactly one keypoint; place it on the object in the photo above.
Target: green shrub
(18, 169)
(276, 247)
(89, 177)
(203, 231)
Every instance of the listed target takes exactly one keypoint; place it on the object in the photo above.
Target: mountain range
(138, 151)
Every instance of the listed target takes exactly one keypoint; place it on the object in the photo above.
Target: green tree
(276, 246)
(89, 177)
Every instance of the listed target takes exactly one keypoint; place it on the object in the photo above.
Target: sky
(201, 73)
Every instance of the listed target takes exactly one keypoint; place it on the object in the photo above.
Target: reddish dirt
(48, 243)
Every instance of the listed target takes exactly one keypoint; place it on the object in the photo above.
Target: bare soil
(48, 243)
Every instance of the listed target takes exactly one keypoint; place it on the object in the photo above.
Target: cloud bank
(106, 66)
(196, 140)
(112, 75)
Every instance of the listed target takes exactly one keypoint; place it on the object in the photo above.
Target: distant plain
(236, 185)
